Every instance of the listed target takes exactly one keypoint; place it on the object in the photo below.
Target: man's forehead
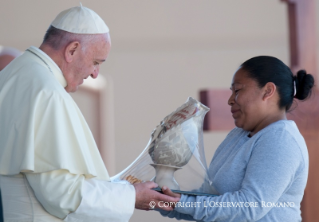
(101, 41)
(101, 52)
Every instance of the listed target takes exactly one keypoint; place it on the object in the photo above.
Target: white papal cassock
(50, 167)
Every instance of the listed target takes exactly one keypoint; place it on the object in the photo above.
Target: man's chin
(71, 89)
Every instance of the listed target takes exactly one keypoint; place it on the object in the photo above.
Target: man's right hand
(145, 195)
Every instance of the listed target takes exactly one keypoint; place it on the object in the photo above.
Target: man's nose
(95, 72)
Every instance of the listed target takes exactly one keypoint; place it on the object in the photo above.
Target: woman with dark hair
(260, 170)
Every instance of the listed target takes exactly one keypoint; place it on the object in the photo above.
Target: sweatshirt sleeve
(74, 198)
(270, 171)
(176, 215)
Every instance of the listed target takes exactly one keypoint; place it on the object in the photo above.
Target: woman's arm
(270, 171)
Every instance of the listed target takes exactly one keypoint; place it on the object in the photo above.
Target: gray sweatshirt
(261, 178)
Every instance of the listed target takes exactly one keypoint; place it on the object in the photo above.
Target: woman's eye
(236, 91)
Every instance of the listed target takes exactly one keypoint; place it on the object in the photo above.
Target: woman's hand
(168, 192)
(148, 199)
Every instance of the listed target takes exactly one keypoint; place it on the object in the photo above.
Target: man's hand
(147, 199)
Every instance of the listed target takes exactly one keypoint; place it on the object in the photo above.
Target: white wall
(162, 52)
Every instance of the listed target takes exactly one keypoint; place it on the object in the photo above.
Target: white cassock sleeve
(73, 198)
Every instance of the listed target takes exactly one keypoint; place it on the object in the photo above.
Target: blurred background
(162, 52)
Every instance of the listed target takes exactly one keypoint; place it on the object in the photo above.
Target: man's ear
(269, 90)
(71, 50)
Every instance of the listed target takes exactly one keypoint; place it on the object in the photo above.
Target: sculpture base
(165, 176)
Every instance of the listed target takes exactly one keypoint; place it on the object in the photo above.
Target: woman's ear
(71, 51)
(269, 90)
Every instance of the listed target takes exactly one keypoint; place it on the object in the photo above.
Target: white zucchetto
(80, 20)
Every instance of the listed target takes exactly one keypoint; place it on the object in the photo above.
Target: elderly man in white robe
(50, 167)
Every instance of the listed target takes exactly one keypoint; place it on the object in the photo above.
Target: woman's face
(246, 101)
